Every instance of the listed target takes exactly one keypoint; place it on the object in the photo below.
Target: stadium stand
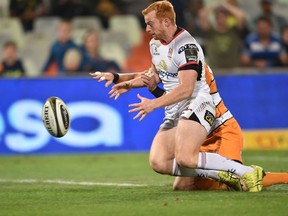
(4, 37)
(31, 69)
(13, 27)
(36, 50)
(46, 26)
(4, 8)
(78, 35)
(111, 36)
(129, 24)
(87, 22)
(112, 51)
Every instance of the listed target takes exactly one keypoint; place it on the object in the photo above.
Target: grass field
(124, 184)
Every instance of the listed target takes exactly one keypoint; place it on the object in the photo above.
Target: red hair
(163, 9)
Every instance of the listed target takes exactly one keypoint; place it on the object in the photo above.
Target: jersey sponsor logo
(166, 74)
(187, 47)
(191, 52)
(191, 55)
(209, 117)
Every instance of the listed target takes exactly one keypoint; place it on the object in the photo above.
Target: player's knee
(159, 166)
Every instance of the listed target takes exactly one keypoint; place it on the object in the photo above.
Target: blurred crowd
(74, 37)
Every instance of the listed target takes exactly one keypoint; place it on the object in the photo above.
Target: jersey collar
(178, 31)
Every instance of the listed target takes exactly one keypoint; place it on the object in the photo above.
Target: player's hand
(149, 81)
(143, 108)
(119, 89)
(103, 76)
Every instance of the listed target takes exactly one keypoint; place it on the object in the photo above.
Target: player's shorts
(227, 140)
(200, 109)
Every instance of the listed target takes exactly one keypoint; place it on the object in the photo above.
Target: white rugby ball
(56, 117)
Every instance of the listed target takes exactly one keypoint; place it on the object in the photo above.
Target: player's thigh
(189, 137)
(162, 150)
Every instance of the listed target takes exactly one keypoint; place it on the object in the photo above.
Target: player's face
(154, 26)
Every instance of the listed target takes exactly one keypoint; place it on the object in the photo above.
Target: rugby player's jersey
(181, 53)
(222, 113)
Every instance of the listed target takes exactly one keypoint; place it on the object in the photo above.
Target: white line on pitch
(64, 182)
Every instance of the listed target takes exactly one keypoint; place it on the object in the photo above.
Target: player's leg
(231, 147)
(162, 157)
(273, 178)
(195, 183)
(162, 151)
(187, 154)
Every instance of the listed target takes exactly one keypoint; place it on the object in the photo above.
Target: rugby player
(189, 107)
(226, 139)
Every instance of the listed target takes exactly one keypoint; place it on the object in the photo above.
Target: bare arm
(187, 80)
(110, 77)
(184, 90)
(141, 80)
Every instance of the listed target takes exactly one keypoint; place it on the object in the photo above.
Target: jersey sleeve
(187, 55)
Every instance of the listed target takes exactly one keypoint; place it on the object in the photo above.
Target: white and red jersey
(181, 53)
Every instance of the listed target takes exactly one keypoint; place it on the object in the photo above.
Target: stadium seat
(30, 67)
(120, 38)
(37, 50)
(4, 8)
(13, 27)
(113, 51)
(78, 36)
(47, 26)
(130, 25)
(4, 37)
(88, 22)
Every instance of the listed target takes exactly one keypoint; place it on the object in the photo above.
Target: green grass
(156, 198)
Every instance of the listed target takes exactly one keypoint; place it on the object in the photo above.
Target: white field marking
(65, 182)
(265, 158)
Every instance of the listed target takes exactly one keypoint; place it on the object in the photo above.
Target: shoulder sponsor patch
(190, 51)
(187, 46)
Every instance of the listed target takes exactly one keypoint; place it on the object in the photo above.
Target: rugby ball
(56, 117)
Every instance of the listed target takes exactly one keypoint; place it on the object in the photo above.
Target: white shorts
(200, 109)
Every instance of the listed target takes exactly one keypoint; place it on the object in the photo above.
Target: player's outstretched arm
(123, 87)
(110, 77)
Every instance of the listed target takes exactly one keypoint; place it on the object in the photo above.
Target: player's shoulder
(154, 42)
(184, 40)
(185, 37)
